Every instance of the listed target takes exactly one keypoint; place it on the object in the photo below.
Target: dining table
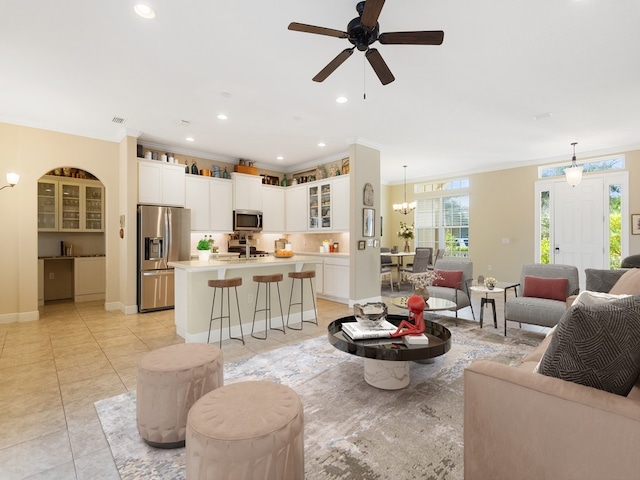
(400, 260)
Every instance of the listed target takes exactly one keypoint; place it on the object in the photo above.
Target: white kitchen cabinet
(247, 192)
(273, 208)
(161, 183)
(296, 208)
(340, 203)
(336, 279)
(89, 278)
(210, 202)
(319, 278)
(319, 206)
(40, 282)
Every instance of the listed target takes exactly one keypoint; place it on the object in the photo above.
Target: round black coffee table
(386, 359)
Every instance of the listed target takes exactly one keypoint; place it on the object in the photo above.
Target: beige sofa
(524, 425)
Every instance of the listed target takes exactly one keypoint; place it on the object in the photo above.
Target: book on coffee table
(357, 332)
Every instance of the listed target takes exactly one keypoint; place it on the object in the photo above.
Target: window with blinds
(443, 222)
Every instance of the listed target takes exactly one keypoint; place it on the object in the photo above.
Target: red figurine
(416, 305)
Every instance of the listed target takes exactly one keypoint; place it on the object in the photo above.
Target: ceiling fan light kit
(363, 31)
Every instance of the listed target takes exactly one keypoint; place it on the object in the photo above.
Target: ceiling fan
(364, 30)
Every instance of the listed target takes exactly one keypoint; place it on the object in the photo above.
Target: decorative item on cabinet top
(71, 173)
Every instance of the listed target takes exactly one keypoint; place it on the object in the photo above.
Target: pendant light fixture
(574, 172)
(405, 207)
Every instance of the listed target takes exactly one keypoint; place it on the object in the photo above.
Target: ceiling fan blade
(372, 9)
(333, 64)
(330, 32)
(412, 38)
(379, 66)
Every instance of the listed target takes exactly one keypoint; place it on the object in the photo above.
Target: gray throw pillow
(597, 346)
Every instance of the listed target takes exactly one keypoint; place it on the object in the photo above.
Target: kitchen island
(193, 296)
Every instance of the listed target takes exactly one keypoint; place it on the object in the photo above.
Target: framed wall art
(368, 222)
(635, 224)
(361, 244)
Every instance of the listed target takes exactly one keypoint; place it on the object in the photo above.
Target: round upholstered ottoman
(170, 380)
(246, 430)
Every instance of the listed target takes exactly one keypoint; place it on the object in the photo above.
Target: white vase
(204, 255)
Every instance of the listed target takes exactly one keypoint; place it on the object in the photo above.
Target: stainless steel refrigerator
(163, 236)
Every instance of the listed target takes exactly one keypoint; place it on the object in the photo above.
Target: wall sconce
(12, 180)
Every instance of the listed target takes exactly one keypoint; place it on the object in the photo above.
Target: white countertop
(239, 263)
(318, 254)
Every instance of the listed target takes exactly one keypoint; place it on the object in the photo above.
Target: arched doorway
(71, 236)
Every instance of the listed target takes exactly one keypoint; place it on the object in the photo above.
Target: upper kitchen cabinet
(47, 205)
(273, 207)
(70, 205)
(161, 183)
(340, 203)
(211, 203)
(296, 208)
(247, 192)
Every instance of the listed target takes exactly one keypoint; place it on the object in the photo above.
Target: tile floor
(53, 369)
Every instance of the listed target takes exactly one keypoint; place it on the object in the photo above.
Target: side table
(486, 300)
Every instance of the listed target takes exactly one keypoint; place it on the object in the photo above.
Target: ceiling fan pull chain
(364, 79)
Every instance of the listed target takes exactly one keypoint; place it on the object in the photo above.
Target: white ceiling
(465, 106)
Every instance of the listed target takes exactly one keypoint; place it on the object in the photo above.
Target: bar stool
(309, 274)
(267, 280)
(222, 284)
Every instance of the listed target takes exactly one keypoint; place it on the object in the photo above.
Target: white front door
(578, 225)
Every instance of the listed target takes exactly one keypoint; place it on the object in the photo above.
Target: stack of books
(357, 332)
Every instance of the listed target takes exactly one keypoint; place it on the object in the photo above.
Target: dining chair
(386, 266)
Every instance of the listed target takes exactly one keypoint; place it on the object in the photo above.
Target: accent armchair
(456, 291)
(542, 294)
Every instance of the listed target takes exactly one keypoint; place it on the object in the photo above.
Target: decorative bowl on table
(284, 253)
(370, 314)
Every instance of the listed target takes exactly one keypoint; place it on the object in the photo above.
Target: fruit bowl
(283, 253)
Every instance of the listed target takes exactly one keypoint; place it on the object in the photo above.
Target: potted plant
(204, 250)
(406, 232)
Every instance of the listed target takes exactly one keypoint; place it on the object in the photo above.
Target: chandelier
(574, 172)
(405, 207)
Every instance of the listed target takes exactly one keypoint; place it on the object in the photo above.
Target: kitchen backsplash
(300, 242)
(83, 243)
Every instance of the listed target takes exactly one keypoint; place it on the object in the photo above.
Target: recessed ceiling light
(322, 144)
(279, 157)
(222, 116)
(190, 139)
(341, 100)
(543, 116)
(144, 11)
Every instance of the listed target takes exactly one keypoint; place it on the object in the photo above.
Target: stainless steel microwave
(247, 221)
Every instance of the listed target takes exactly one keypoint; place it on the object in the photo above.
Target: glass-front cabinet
(47, 203)
(94, 208)
(70, 206)
(320, 206)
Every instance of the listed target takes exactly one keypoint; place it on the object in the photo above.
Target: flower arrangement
(490, 282)
(423, 279)
(406, 231)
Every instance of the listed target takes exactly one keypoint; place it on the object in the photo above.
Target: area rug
(352, 431)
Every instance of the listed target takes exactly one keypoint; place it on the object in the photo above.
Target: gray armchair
(540, 311)
(461, 295)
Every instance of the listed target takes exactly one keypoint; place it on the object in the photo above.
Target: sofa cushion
(449, 278)
(593, 298)
(551, 288)
(628, 283)
(597, 346)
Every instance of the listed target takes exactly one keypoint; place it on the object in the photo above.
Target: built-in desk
(193, 296)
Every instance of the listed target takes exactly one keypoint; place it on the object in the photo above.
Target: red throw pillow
(551, 288)
(449, 278)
